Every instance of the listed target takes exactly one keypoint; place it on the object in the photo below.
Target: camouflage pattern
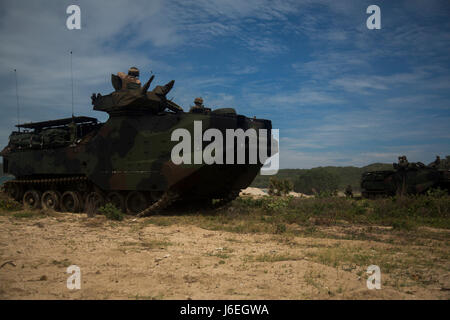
(198, 106)
(135, 98)
(406, 178)
(133, 71)
(349, 191)
(131, 151)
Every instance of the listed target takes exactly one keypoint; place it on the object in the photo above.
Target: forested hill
(328, 177)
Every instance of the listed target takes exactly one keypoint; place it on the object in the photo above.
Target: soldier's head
(134, 72)
(198, 101)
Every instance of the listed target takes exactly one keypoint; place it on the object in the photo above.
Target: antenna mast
(17, 98)
(71, 77)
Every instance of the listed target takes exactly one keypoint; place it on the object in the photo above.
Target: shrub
(10, 205)
(111, 212)
(26, 214)
(280, 187)
(437, 193)
(316, 181)
(280, 228)
(276, 204)
(403, 225)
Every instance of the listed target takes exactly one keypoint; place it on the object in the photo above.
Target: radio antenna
(17, 98)
(71, 77)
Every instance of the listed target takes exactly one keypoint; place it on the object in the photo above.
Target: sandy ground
(133, 259)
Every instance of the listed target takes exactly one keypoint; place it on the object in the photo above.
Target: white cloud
(322, 102)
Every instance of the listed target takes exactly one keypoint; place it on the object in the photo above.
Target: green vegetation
(63, 263)
(322, 178)
(299, 216)
(10, 205)
(406, 266)
(317, 181)
(27, 214)
(156, 244)
(274, 257)
(399, 212)
(148, 244)
(279, 187)
(111, 212)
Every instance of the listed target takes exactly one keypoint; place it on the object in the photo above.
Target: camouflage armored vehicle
(405, 178)
(66, 164)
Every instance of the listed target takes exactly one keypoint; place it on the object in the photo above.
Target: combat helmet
(198, 101)
(134, 72)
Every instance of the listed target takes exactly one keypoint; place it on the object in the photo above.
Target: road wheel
(32, 199)
(94, 201)
(15, 191)
(70, 201)
(136, 202)
(51, 200)
(117, 199)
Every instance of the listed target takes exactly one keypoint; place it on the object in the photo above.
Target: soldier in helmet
(130, 80)
(436, 163)
(403, 162)
(349, 191)
(198, 106)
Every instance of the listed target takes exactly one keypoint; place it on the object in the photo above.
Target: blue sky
(339, 93)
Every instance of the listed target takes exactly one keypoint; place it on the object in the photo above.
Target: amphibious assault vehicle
(69, 164)
(407, 178)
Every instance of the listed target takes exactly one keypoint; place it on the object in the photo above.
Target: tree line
(324, 179)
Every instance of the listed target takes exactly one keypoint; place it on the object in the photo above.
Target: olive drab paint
(405, 178)
(130, 152)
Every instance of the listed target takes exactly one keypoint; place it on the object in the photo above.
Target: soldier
(131, 80)
(436, 162)
(403, 162)
(349, 191)
(198, 106)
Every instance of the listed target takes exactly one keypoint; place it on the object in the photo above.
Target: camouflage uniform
(403, 162)
(349, 191)
(436, 163)
(198, 106)
(130, 80)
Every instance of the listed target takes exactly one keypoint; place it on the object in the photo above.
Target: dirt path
(136, 260)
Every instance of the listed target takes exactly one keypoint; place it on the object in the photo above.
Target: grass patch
(344, 257)
(27, 214)
(160, 221)
(149, 244)
(159, 296)
(274, 257)
(290, 216)
(156, 244)
(10, 205)
(312, 277)
(404, 265)
(220, 255)
(404, 225)
(111, 212)
(63, 263)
